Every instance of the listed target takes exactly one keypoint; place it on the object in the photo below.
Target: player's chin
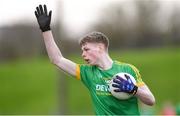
(90, 63)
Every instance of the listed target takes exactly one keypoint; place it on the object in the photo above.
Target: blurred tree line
(141, 26)
(145, 27)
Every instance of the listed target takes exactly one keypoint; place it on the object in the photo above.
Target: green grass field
(31, 86)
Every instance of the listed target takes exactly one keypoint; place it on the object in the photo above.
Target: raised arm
(54, 53)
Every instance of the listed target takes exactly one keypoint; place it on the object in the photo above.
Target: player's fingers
(36, 14)
(41, 9)
(127, 77)
(115, 85)
(117, 90)
(120, 78)
(50, 13)
(45, 9)
(38, 11)
(117, 81)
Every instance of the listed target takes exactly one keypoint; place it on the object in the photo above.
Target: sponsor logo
(103, 89)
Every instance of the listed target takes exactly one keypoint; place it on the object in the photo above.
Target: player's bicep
(67, 66)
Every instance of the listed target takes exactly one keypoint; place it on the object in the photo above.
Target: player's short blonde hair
(95, 37)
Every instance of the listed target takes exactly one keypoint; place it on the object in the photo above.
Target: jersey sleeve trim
(78, 72)
(140, 84)
(139, 79)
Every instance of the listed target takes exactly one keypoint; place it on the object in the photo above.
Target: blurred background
(145, 33)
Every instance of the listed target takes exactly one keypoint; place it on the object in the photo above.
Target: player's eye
(86, 49)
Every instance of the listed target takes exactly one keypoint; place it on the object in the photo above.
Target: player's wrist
(134, 91)
(48, 28)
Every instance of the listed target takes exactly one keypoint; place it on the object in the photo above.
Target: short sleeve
(82, 73)
(78, 72)
(139, 81)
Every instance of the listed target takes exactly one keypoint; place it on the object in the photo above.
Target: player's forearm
(145, 95)
(52, 49)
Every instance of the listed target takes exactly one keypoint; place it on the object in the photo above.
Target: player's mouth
(87, 60)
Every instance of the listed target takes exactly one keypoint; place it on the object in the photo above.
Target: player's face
(91, 53)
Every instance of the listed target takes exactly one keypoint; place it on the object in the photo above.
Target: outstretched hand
(43, 18)
(123, 85)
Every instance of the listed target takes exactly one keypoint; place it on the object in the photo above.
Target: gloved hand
(123, 85)
(43, 18)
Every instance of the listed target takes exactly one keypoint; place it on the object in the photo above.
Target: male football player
(100, 68)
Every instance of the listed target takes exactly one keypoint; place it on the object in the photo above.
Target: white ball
(120, 95)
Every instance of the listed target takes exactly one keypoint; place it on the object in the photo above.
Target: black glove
(43, 18)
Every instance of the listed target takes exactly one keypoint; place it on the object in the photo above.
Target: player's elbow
(151, 101)
(54, 61)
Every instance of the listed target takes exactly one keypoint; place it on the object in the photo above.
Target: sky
(15, 11)
(76, 15)
(73, 13)
(79, 14)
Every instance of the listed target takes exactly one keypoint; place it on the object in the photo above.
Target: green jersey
(96, 80)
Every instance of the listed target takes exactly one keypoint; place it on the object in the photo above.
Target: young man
(99, 70)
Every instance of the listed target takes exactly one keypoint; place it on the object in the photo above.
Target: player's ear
(101, 47)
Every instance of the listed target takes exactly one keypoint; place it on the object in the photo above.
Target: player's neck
(105, 62)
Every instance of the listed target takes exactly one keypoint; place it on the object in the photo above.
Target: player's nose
(83, 55)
